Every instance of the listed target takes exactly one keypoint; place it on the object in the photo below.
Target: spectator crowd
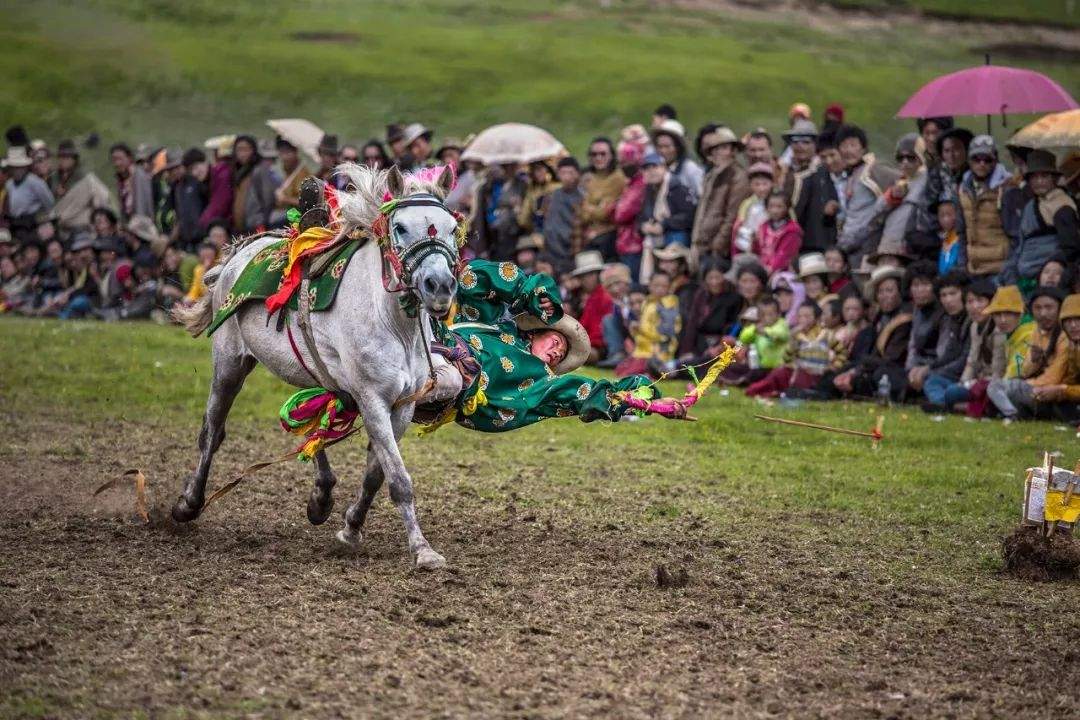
(948, 277)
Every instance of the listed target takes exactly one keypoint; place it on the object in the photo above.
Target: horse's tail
(195, 318)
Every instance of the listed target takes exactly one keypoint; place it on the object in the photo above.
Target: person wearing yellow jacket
(656, 334)
(1009, 391)
(1061, 397)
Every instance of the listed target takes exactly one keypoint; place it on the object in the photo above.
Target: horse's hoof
(349, 539)
(182, 512)
(318, 512)
(428, 559)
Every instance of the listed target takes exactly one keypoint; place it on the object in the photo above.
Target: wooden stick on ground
(875, 435)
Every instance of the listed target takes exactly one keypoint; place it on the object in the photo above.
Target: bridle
(400, 261)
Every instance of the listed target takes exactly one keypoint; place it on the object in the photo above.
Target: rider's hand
(546, 305)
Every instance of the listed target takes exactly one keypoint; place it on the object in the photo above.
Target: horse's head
(423, 233)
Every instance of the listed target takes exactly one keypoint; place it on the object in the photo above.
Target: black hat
(329, 144)
(945, 122)
(394, 132)
(280, 142)
(192, 156)
(1048, 291)
(16, 135)
(964, 134)
(1041, 161)
(569, 161)
(982, 287)
(67, 148)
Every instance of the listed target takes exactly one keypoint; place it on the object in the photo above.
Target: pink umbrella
(988, 90)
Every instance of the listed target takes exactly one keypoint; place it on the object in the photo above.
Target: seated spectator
(814, 275)
(616, 280)
(1043, 364)
(713, 313)
(1061, 398)
(526, 251)
(986, 243)
(595, 302)
(1054, 273)
(560, 216)
(140, 236)
(177, 275)
(977, 335)
(789, 294)
(105, 225)
(752, 212)
(207, 258)
(952, 254)
(15, 290)
(656, 334)
(891, 331)
(542, 182)
(628, 240)
(839, 271)
(1048, 223)
(953, 342)
(1010, 340)
(80, 288)
(603, 183)
(766, 340)
(218, 235)
(675, 261)
(866, 181)
(667, 210)
(778, 239)
(853, 317)
(926, 323)
(905, 234)
(813, 351)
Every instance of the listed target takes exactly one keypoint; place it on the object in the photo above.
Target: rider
(503, 356)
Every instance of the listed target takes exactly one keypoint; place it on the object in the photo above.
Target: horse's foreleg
(321, 500)
(229, 375)
(385, 428)
(350, 534)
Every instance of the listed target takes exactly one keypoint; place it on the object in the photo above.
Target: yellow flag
(1056, 509)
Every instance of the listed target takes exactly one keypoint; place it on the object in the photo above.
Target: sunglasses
(982, 159)
(601, 153)
(907, 158)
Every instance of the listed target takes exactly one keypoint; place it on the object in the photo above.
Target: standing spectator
(670, 141)
(374, 155)
(188, 195)
(395, 142)
(951, 150)
(78, 192)
(220, 203)
(449, 151)
(906, 234)
(945, 388)
(603, 183)
(329, 157)
(667, 211)
(495, 211)
(253, 188)
(802, 162)
(986, 244)
(560, 216)
(818, 204)
(656, 334)
(752, 212)
(758, 148)
(42, 157)
(930, 129)
(628, 240)
(27, 198)
(891, 331)
(813, 351)
(723, 190)
(662, 114)
(778, 239)
(541, 184)
(926, 323)
(417, 141)
(1054, 273)
(1043, 364)
(287, 193)
(1048, 224)
(866, 181)
(834, 118)
(714, 311)
(133, 187)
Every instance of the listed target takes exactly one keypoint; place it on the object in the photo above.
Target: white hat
(812, 264)
(17, 157)
(880, 273)
(587, 261)
(670, 127)
(414, 131)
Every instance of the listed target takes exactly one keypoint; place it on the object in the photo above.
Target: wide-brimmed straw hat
(1041, 161)
(720, 136)
(587, 261)
(1006, 299)
(142, 227)
(881, 274)
(672, 251)
(577, 339)
(532, 241)
(813, 264)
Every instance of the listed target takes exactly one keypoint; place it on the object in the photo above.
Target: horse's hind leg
(230, 370)
(321, 500)
(350, 534)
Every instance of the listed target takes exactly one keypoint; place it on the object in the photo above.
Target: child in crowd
(656, 334)
(766, 340)
(789, 293)
(813, 351)
(839, 272)
(814, 274)
(853, 315)
(778, 239)
(752, 212)
(208, 252)
(951, 255)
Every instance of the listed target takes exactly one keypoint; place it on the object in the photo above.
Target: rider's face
(550, 346)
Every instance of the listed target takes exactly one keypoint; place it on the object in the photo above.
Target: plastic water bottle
(884, 390)
(752, 358)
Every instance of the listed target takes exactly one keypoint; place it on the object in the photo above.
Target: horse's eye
(399, 229)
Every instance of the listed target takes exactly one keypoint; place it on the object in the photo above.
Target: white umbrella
(304, 134)
(513, 143)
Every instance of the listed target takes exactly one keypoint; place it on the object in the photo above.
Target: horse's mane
(359, 206)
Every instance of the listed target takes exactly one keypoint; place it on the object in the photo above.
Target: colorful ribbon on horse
(320, 416)
(672, 407)
(310, 242)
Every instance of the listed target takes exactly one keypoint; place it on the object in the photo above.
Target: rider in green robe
(501, 319)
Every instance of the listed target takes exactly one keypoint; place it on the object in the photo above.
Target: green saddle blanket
(264, 273)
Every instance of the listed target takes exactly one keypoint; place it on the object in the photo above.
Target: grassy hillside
(1049, 12)
(176, 73)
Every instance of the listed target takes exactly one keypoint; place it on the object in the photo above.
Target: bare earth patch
(549, 609)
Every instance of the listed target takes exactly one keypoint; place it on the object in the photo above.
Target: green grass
(176, 73)
(1049, 12)
(927, 474)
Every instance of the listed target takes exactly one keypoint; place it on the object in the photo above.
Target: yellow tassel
(719, 365)
(474, 402)
(312, 446)
(447, 417)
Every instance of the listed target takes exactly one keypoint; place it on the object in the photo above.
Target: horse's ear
(395, 182)
(447, 179)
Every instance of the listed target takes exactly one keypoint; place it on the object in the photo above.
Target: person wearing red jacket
(596, 303)
(220, 203)
(779, 238)
(628, 241)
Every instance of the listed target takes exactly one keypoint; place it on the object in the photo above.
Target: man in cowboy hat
(417, 141)
(329, 155)
(596, 304)
(799, 160)
(526, 251)
(1048, 223)
(499, 374)
(395, 141)
(287, 194)
(27, 198)
(78, 192)
(724, 188)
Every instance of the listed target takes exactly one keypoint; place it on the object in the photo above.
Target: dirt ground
(549, 609)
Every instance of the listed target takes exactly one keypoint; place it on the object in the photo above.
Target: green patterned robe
(519, 388)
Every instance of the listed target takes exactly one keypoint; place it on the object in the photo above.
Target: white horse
(370, 347)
